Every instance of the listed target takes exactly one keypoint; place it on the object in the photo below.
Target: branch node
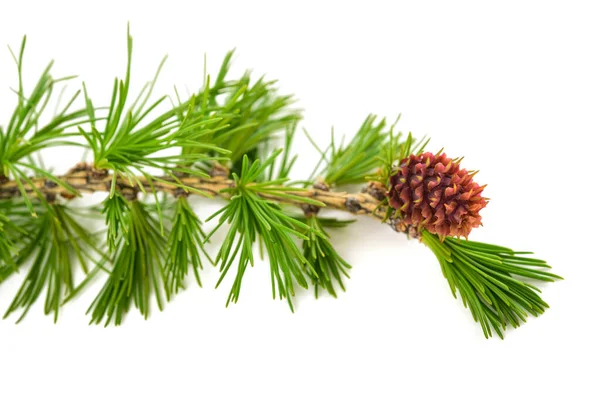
(50, 184)
(399, 225)
(179, 192)
(81, 166)
(376, 190)
(310, 210)
(321, 185)
(353, 205)
(98, 174)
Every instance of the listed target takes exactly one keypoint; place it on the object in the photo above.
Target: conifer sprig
(220, 142)
(250, 112)
(16, 233)
(185, 246)
(6, 245)
(489, 280)
(131, 139)
(26, 135)
(138, 272)
(329, 266)
(55, 249)
(253, 219)
(350, 163)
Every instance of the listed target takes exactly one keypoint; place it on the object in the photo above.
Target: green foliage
(487, 278)
(130, 139)
(411, 146)
(370, 155)
(56, 247)
(253, 218)
(394, 151)
(25, 134)
(185, 243)
(138, 271)
(6, 245)
(116, 211)
(351, 163)
(329, 266)
(287, 161)
(252, 111)
(18, 232)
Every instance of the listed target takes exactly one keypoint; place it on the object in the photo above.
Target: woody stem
(85, 179)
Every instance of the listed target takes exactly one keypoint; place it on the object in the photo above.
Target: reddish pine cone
(433, 192)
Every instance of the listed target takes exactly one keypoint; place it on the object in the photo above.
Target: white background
(513, 86)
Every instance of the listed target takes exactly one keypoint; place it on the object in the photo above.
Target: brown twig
(83, 178)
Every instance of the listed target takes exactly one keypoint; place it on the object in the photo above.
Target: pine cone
(433, 192)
